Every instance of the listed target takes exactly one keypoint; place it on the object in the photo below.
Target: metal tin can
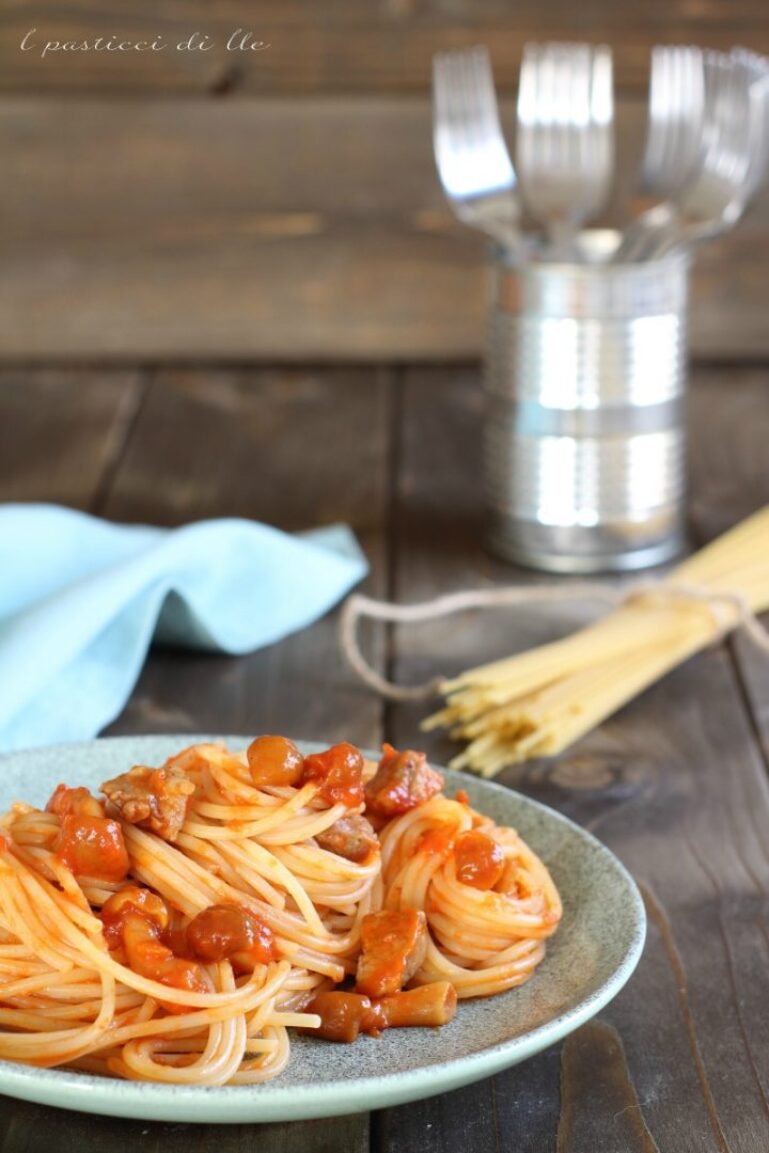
(585, 427)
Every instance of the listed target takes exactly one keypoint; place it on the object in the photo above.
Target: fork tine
(729, 116)
(488, 123)
(445, 135)
(601, 123)
(484, 86)
(575, 143)
(694, 101)
(464, 117)
(455, 104)
(468, 107)
(676, 105)
(547, 125)
(526, 111)
(441, 118)
(439, 105)
(653, 143)
(659, 101)
(674, 116)
(493, 138)
(755, 73)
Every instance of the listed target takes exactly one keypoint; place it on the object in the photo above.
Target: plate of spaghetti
(231, 929)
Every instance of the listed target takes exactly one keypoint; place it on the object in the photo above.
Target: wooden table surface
(676, 784)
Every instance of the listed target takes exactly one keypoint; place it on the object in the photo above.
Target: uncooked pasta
(539, 702)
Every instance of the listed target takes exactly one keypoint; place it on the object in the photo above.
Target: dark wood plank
(729, 427)
(732, 480)
(493, 1116)
(341, 45)
(26, 1128)
(296, 449)
(123, 237)
(62, 430)
(598, 1101)
(674, 784)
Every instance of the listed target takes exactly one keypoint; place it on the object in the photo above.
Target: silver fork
(757, 69)
(674, 139)
(729, 172)
(676, 112)
(473, 162)
(564, 148)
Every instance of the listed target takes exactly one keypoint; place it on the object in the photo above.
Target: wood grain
(341, 45)
(729, 434)
(26, 1128)
(175, 231)
(730, 481)
(62, 431)
(599, 1106)
(294, 449)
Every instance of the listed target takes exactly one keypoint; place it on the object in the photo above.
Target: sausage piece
(393, 948)
(344, 1016)
(156, 799)
(351, 837)
(402, 781)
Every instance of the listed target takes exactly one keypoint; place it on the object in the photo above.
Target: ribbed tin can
(585, 430)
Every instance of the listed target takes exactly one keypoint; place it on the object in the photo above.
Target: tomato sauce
(437, 842)
(339, 773)
(402, 782)
(221, 931)
(480, 861)
(393, 946)
(64, 801)
(92, 847)
(135, 920)
(344, 1016)
(274, 761)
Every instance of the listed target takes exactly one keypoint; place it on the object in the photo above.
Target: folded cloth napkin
(81, 600)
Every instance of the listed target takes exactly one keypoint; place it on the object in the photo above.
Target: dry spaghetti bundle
(539, 702)
(175, 928)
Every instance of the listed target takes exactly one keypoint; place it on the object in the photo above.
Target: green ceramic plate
(588, 961)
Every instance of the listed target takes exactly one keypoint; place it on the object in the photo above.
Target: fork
(676, 112)
(674, 139)
(732, 163)
(473, 162)
(564, 148)
(757, 69)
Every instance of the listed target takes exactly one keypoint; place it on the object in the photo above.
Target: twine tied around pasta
(359, 607)
(538, 702)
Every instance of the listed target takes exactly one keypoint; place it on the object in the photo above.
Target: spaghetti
(175, 929)
(538, 703)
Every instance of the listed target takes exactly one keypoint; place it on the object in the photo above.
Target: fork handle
(500, 226)
(645, 235)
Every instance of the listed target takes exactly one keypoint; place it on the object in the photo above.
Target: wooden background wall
(282, 205)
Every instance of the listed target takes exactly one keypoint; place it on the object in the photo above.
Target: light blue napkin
(81, 600)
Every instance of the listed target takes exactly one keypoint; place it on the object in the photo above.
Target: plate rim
(269, 1101)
